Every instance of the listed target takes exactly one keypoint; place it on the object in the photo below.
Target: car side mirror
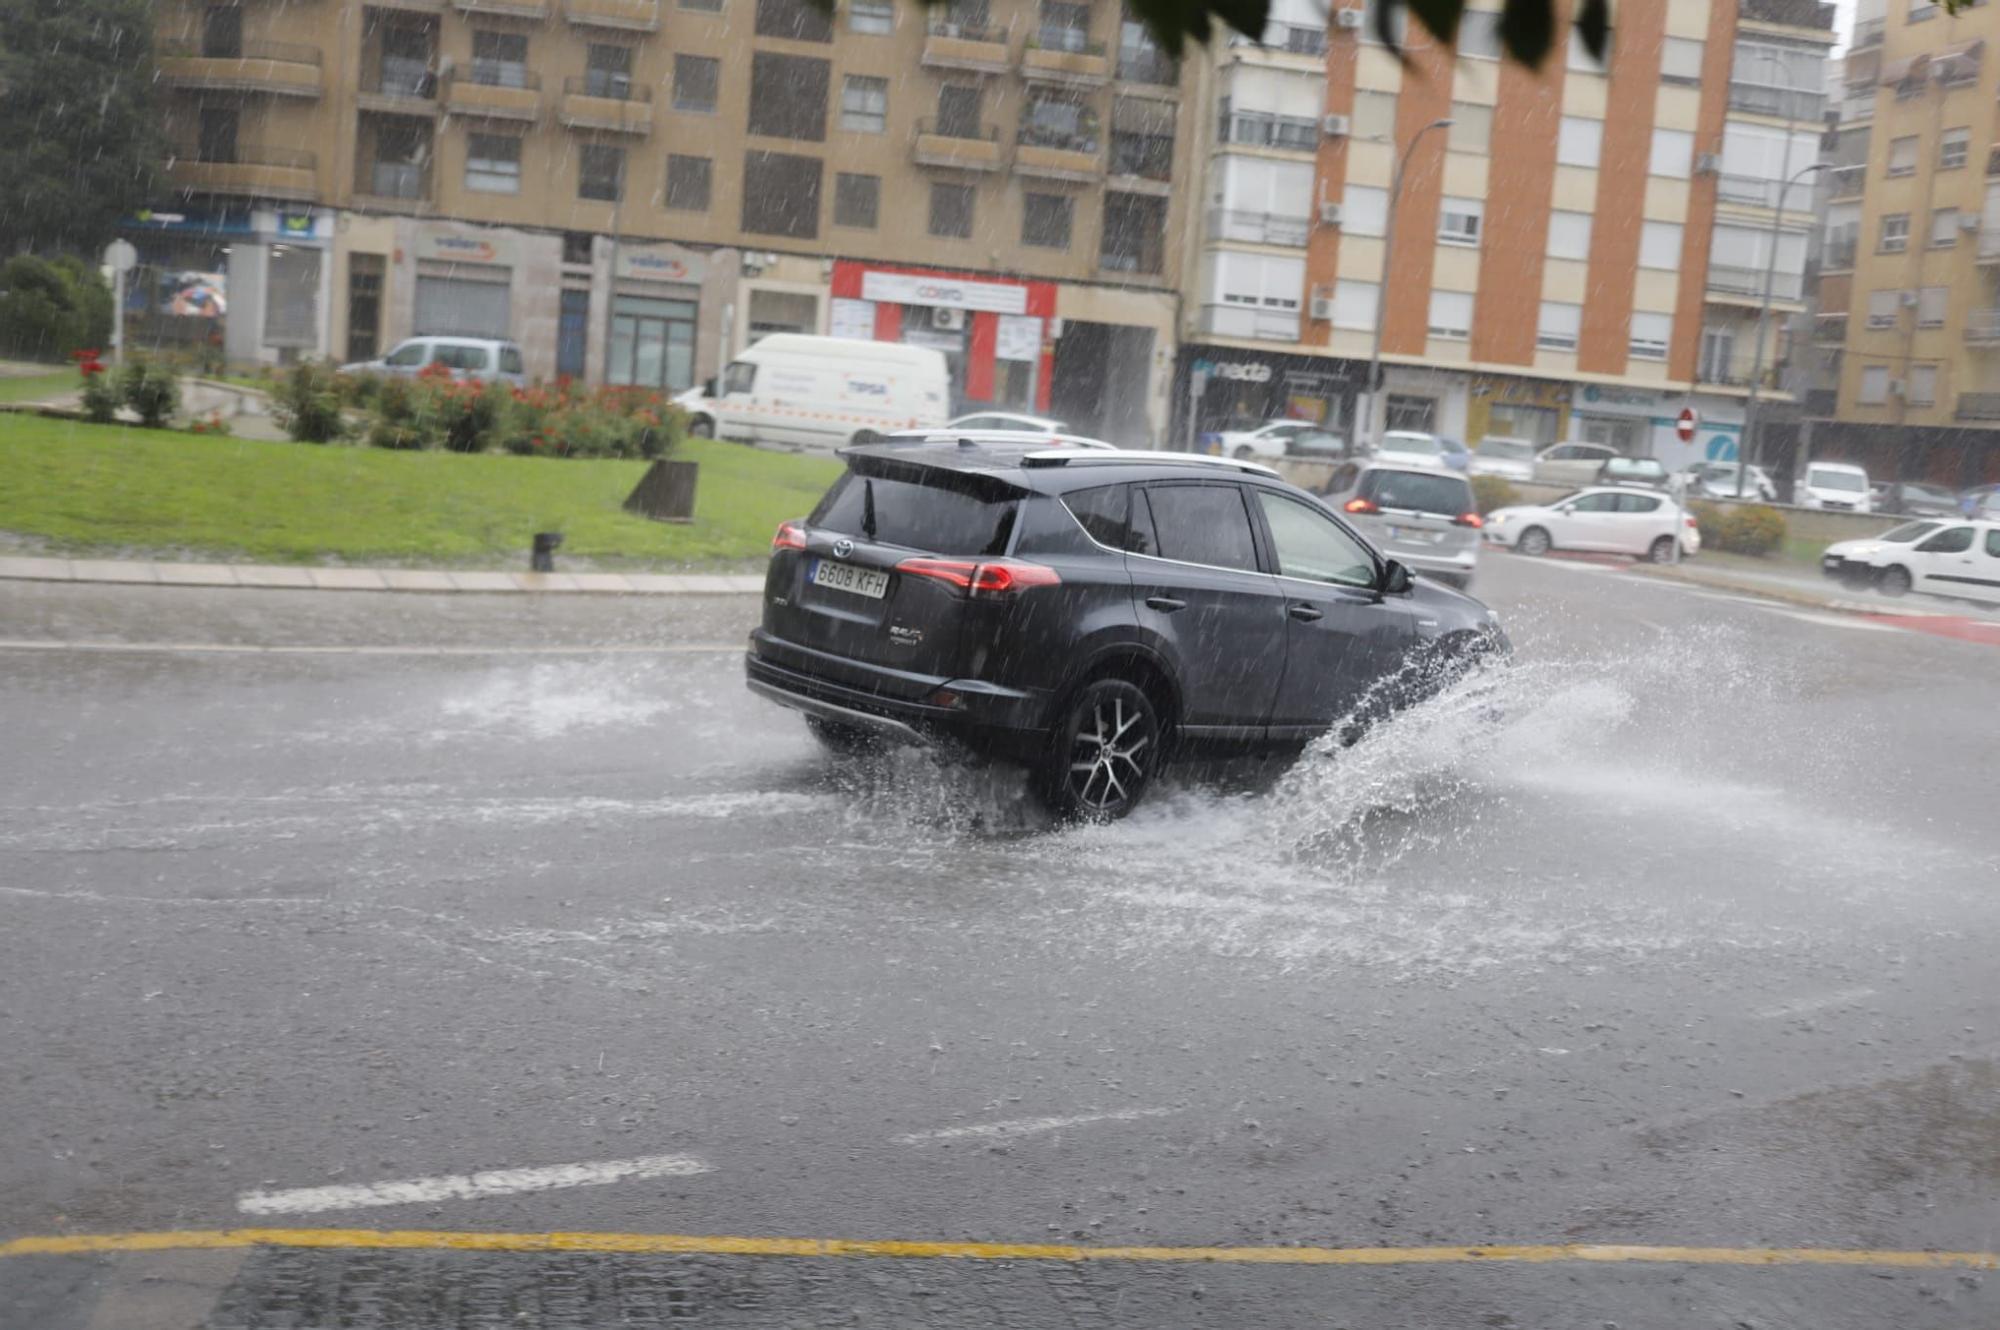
(708, 388)
(1395, 579)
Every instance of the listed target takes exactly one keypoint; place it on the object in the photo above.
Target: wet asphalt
(1692, 945)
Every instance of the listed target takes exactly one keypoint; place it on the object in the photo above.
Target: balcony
(1794, 14)
(1978, 406)
(1982, 327)
(1258, 228)
(264, 173)
(980, 50)
(280, 69)
(1051, 58)
(1830, 328)
(1263, 129)
(1782, 103)
(959, 147)
(588, 103)
(398, 85)
(1838, 255)
(513, 95)
(1989, 244)
(1845, 182)
(1307, 39)
(617, 15)
(1148, 64)
(1055, 156)
(1248, 321)
(1746, 285)
(537, 10)
(1867, 35)
(1821, 402)
(1734, 373)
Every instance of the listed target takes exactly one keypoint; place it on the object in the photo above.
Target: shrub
(150, 390)
(308, 403)
(396, 424)
(1491, 492)
(1751, 528)
(100, 395)
(51, 308)
(212, 423)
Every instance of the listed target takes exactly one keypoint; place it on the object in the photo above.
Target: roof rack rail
(1139, 457)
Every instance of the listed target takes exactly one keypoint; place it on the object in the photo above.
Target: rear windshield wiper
(868, 508)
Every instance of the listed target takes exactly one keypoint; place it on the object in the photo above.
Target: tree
(81, 141)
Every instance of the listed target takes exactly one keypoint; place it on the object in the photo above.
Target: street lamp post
(1382, 289)
(1763, 320)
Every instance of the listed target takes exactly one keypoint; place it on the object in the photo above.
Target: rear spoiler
(993, 479)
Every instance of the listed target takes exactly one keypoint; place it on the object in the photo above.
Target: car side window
(1637, 503)
(1112, 517)
(1951, 540)
(1312, 546)
(1344, 477)
(980, 422)
(739, 377)
(1993, 542)
(510, 360)
(1597, 503)
(1205, 524)
(410, 353)
(1563, 453)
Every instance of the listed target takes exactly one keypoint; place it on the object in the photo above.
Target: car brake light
(1470, 519)
(1689, 519)
(791, 536)
(999, 578)
(1361, 506)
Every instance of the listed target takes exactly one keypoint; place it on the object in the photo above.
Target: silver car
(1422, 516)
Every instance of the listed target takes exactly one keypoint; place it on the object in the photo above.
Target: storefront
(236, 284)
(997, 334)
(1229, 388)
(654, 315)
(464, 284)
(1641, 423)
(1531, 409)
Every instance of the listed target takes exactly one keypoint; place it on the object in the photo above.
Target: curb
(273, 577)
(1803, 599)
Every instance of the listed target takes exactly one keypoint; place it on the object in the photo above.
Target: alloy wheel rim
(1105, 765)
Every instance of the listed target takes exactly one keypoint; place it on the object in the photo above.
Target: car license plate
(1415, 535)
(846, 577)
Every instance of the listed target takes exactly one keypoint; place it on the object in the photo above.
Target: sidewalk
(133, 572)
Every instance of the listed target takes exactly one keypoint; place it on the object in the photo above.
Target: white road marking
(467, 1186)
(238, 649)
(1802, 1006)
(1029, 1126)
(1836, 621)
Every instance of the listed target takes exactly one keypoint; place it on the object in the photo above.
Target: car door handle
(1304, 613)
(1165, 604)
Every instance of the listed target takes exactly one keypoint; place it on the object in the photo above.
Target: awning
(1897, 71)
(1143, 115)
(1958, 62)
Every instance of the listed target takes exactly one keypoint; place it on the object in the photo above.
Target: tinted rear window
(1109, 515)
(1204, 524)
(1418, 491)
(916, 516)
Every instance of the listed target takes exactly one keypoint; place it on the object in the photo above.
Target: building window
(1650, 334)
(958, 111)
(216, 136)
(1471, 127)
(1903, 155)
(1458, 221)
(856, 200)
(1920, 11)
(1944, 228)
(951, 211)
(600, 172)
(688, 182)
(573, 333)
(1680, 60)
(1882, 307)
(1923, 389)
(1059, 120)
(1142, 138)
(875, 17)
(1451, 314)
(702, 6)
(1673, 153)
(1374, 115)
(788, 96)
(1479, 34)
(1953, 145)
(222, 32)
(1064, 26)
(1559, 325)
(499, 59)
(1402, 411)
(1569, 235)
(1874, 385)
(697, 82)
(781, 194)
(1660, 245)
(1579, 58)
(577, 247)
(1354, 304)
(607, 71)
(1579, 140)
(493, 164)
(1895, 236)
(1135, 229)
(1933, 303)
(794, 20)
(1045, 220)
(864, 104)
(1364, 210)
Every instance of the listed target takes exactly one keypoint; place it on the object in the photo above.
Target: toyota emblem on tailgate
(842, 548)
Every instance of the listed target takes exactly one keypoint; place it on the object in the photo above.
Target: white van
(826, 392)
(1835, 485)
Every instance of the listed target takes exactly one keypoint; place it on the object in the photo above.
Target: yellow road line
(428, 1240)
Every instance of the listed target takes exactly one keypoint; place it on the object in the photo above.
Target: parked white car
(1605, 520)
(1274, 439)
(1718, 480)
(1509, 459)
(1959, 559)
(1008, 422)
(1857, 562)
(1409, 447)
(1571, 463)
(481, 358)
(1837, 486)
(825, 391)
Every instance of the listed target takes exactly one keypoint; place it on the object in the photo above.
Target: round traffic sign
(1684, 425)
(121, 256)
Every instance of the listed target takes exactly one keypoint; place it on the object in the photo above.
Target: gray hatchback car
(1424, 517)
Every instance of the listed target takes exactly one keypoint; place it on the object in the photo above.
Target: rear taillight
(1688, 518)
(1470, 519)
(791, 536)
(1000, 577)
(1361, 506)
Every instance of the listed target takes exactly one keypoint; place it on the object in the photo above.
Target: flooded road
(530, 919)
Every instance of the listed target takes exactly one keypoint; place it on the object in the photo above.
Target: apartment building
(1580, 253)
(1908, 322)
(994, 178)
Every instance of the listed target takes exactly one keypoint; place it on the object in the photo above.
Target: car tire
(1102, 753)
(1244, 453)
(1534, 542)
(1662, 550)
(701, 427)
(843, 740)
(1894, 581)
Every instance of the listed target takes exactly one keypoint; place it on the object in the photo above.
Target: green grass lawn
(35, 387)
(82, 488)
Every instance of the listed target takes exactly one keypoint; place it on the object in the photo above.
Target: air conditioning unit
(1897, 388)
(947, 320)
(1329, 214)
(1969, 221)
(1350, 19)
(1707, 163)
(1336, 126)
(1321, 307)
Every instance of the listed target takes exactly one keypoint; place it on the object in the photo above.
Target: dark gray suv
(1092, 614)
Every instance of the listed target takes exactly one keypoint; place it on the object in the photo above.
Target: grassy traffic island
(74, 488)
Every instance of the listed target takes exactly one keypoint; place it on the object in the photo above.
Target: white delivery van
(1836, 485)
(826, 392)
